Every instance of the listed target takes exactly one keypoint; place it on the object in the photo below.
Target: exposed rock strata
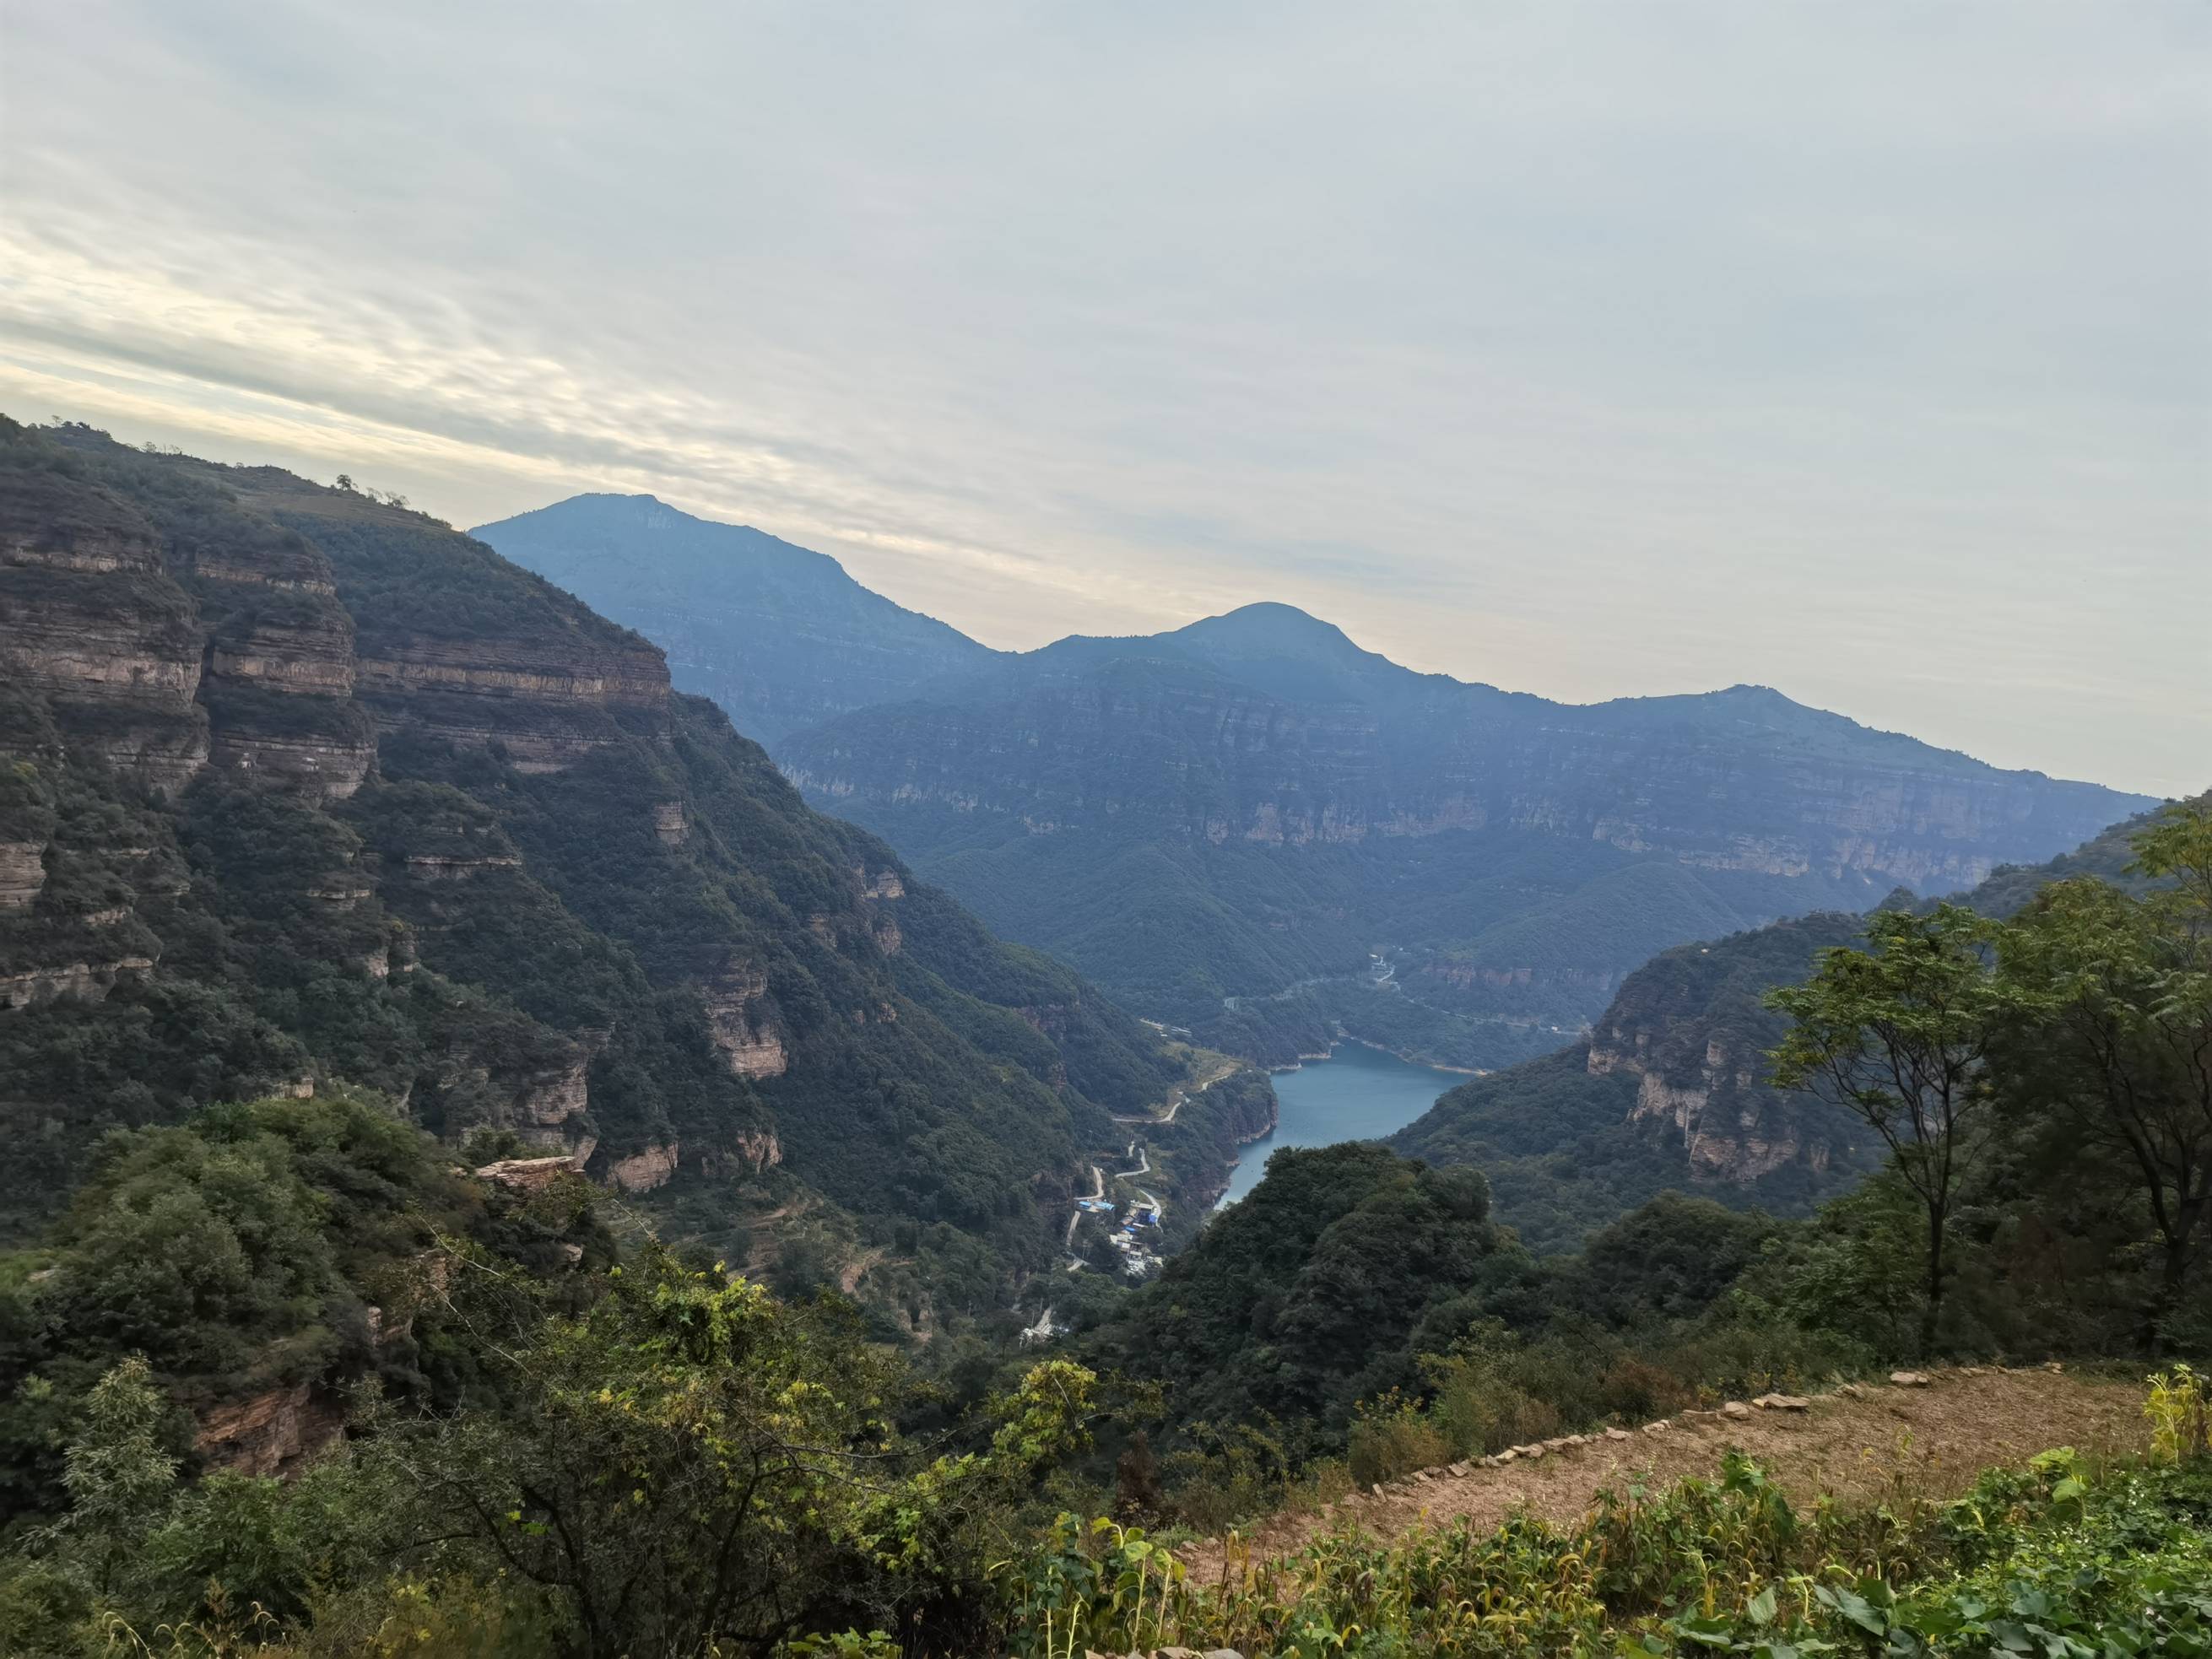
(527, 1174)
(22, 872)
(642, 1171)
(274, 1433)
(90, 980)
(742, 1020)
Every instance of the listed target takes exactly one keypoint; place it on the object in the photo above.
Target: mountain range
(1222, 824)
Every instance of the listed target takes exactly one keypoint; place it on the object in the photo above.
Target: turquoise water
(1356, 1094)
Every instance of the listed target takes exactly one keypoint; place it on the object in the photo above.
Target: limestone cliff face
(1742, 781)
(22, 872)
(752, 1152)
(643, 1170)
(280, 667)
(91, 622)
(544, 1098)
(88, 980)
(1690, 1027)
(1293, 802)
(448, 642)
(1466, 976)
(275, 1433)
(208, 636)
(1732, 1128)
(541, 692)
(744, 1022)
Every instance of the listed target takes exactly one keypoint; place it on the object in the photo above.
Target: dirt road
(1938, 1438)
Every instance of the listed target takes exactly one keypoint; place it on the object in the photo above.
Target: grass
(2064, 1554)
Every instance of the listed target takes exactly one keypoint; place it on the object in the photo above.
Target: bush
(1395, 1437)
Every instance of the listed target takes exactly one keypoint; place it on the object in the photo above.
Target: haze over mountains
(780, 637)
(1221, 822)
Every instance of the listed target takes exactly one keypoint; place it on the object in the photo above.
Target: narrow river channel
(1356, 1094)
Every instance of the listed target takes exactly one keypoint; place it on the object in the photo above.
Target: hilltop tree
(2109, 1029)
(1898, 1034)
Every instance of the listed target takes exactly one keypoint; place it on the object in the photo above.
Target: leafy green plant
(2180, 1408)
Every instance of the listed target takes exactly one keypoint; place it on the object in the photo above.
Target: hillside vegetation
(1209, 821)
(1673, 1087)
(1218, 824)
(496, 1173)
(332, 795)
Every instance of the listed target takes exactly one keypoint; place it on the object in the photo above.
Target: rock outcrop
(527, 1174)
(22, 872)
(643, 1170)
(207, 636)
(91, 622)
(1691, 1028)
(742, 1020)
(277, 1432)
(543, 701)
(90, 980)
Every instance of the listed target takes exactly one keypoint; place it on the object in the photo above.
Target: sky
(1863, 350)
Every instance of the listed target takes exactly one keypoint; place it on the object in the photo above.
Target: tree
(692, 1462)
(1138, 1495)
(2109, 1028)
(120, 1481)
(1899, 1036)
(345, 482)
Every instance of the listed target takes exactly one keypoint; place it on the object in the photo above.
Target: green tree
(120, 1481)
(1898, 1034)
(692, 1461)
(2110, 1030)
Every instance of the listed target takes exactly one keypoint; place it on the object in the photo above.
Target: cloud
(1584, 350)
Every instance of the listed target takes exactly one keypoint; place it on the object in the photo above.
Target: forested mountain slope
(1218, 824)
(1671, 1087)
(780, 637)
(301, 788)
(1252, 802)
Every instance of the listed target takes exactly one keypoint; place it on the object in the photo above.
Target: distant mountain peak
(780, 635)
(1274, 628)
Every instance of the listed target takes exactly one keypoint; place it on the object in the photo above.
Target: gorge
(1219, 824)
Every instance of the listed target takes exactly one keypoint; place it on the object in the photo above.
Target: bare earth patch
(1935, 1439)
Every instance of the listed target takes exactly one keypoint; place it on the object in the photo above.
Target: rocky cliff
(1670, 1086)
(1182, 733)
(1690, 1028)
(303, 789)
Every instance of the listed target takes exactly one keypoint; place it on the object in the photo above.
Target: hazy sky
(1862, 349)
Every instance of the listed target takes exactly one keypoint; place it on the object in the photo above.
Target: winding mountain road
(1224, 1066)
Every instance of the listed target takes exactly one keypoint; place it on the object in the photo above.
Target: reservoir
(1358, 1093)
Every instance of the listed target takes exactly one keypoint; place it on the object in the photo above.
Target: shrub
(1394, 1437)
